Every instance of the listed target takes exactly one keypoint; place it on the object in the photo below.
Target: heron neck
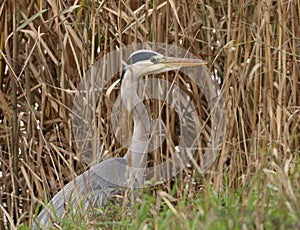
(138, 150)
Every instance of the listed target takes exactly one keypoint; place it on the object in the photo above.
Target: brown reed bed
(47, 46)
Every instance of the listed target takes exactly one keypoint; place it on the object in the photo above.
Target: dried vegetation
(47, 46)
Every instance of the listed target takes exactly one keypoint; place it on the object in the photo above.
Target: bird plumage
(93, 187)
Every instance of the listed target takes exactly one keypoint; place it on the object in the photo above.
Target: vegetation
(46, 47)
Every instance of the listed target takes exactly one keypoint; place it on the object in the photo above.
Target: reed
(46, 47)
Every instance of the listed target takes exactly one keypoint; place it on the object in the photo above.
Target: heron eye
(157, 59)
(154, 60)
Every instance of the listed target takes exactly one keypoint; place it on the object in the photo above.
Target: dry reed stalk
(252, 46)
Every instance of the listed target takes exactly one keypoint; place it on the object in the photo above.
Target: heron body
(96, 185)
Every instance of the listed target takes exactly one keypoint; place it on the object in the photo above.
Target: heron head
(143, 62)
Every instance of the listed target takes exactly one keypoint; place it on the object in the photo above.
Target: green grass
(259, 205)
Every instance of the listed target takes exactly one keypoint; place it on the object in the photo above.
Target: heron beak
(182, 62)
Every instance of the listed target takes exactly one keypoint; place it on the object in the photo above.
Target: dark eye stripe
(141, 56)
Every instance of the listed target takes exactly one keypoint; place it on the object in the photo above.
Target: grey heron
(101, 181)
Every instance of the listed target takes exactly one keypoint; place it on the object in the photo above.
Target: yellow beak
(181, 62)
